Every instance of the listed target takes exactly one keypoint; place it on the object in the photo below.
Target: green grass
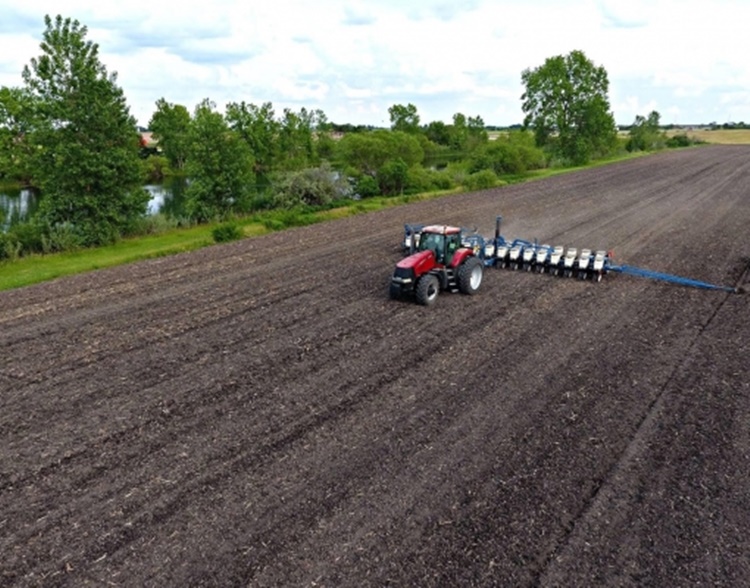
(40, 268)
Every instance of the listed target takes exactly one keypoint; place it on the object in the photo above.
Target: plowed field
(261, 414)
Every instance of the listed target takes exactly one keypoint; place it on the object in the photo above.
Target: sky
(353, 59)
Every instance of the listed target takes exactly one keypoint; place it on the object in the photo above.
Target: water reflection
(17, 205)
(168, 198)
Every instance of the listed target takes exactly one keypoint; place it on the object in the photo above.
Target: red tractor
(439, 261)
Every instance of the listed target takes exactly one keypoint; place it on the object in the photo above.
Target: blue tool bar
(644, 273)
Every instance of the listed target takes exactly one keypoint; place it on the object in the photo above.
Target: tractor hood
(420, 262)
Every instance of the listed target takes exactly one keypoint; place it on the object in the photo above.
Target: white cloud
(354, 59)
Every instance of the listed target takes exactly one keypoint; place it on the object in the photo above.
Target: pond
(18, 205)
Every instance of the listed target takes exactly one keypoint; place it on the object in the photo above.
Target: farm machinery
(449, 258)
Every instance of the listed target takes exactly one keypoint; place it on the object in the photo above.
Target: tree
(566, 104)
(438, 132)
(365, 152)
(511, 153)
(87, 145)
(392, 176)
(645, 134)
(368, 152)
(16, 123)
(404, 118)
(171, 126)
(466, 134)
(259, 129)
(403, 146)
(220, 166)
(296, 139)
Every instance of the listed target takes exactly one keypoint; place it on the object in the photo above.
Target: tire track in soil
(691, 449)
(636, 444)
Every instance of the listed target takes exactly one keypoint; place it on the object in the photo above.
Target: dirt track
(261, 414)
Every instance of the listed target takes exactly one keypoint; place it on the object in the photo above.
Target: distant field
(722, 136)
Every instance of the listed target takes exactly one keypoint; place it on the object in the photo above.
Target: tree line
(68, 132)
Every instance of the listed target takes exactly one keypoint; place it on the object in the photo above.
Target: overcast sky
(353, 59)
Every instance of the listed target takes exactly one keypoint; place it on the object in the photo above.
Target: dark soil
(261, 414)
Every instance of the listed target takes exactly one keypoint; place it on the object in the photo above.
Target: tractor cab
(443, 241)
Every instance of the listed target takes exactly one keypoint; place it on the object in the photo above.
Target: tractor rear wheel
(428, 288)
(470, 275)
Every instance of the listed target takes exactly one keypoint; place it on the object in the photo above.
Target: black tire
(395, 291)
(428, 289)
(470, 275)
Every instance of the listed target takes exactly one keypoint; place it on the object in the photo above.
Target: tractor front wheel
(428, 288)
(470, 275)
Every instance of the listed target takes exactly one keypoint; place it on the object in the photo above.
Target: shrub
(262, 201)
(392, 176)
(29, 237)
(103, 233)
(318, 186)
(514, 153)
(283, 218)
(10, 248)
(227, 232)
(481, 180)
(442, 180)
(155, 224)
(418, 180)
(367, 186)
(61, 237)
(458, 173)
(680, 140)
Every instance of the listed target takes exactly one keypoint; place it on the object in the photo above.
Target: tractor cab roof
(441, 229)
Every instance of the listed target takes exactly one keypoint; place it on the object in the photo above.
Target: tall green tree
(567, 105)
(259, 128)
(296, 139)
(466, 134)
(220, 166)
(17, 114)
(404, 118)
(86, 159)
(170, 124)
(459, 133)
(325, 145)
(438, 132)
